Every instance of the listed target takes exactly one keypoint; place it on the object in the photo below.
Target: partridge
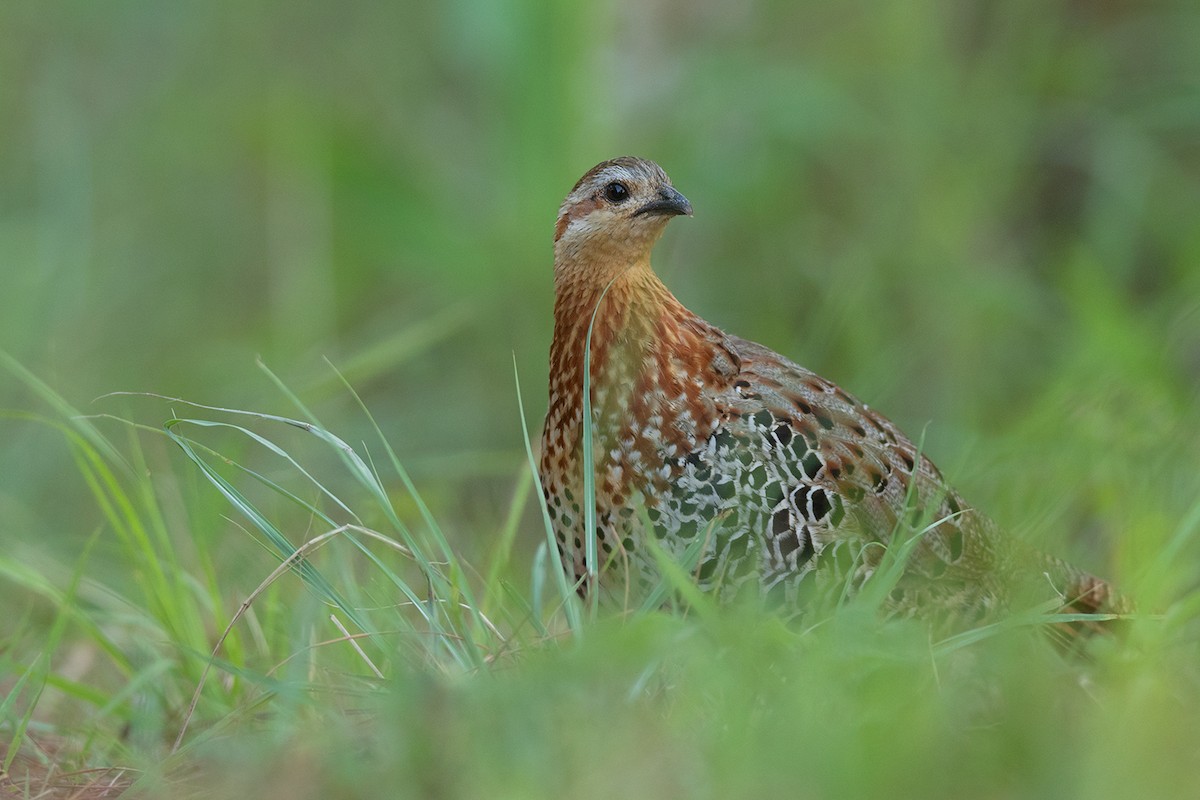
(768, 477)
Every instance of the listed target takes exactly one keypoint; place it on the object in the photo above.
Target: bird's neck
(617, 296)
(640, 337)
(629, 312)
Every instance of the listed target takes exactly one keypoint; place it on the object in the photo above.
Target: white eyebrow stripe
(616, 172)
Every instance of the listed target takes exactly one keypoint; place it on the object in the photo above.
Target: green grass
(980, 218)
(362, 657)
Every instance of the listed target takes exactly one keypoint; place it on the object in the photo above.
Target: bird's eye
(616, 192)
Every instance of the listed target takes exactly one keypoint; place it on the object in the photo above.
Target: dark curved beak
(669, 203)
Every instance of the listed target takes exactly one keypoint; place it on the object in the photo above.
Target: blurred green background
(981, 217)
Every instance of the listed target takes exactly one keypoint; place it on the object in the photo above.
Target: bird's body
(771, 476)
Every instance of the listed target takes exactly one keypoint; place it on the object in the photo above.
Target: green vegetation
(979, 217)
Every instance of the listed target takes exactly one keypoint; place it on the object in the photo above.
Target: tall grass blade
(589, 465)
(305, 569)
(565, 592)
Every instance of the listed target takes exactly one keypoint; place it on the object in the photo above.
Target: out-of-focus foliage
(980, 217)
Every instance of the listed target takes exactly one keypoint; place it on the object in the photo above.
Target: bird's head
(617, 211)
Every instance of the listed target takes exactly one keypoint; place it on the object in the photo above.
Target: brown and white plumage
(780, 477)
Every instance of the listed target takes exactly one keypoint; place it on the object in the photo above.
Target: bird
(760, 475)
